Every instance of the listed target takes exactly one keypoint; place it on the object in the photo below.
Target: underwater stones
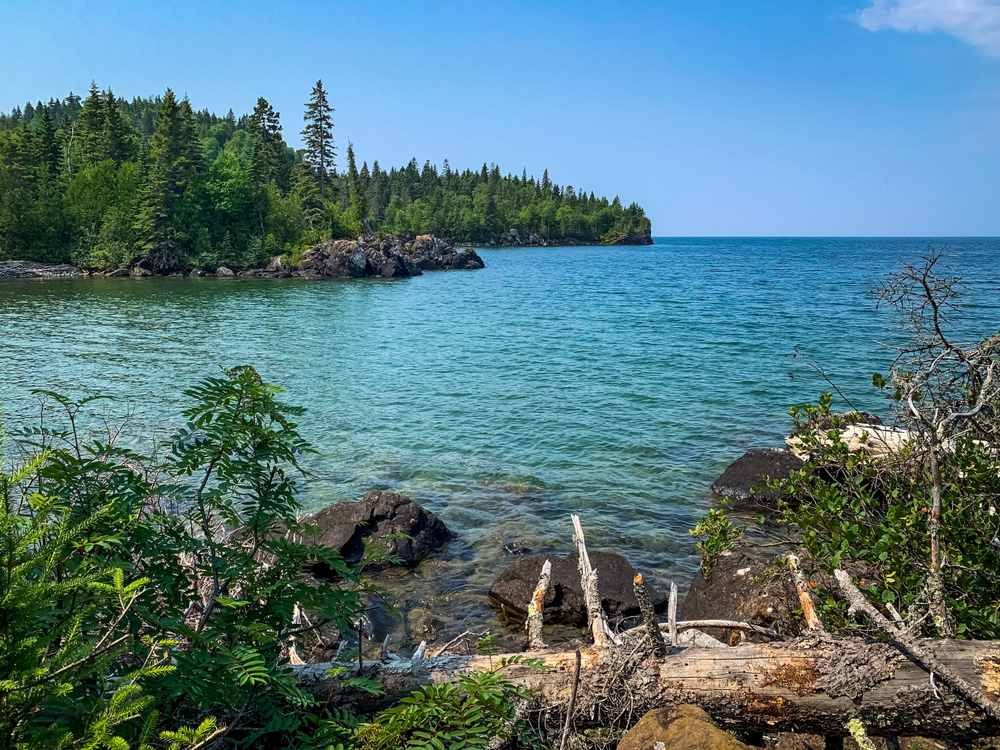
(401, 526)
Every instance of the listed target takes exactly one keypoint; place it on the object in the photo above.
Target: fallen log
(810, 684)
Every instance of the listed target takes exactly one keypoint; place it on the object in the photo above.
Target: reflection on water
(615, 383)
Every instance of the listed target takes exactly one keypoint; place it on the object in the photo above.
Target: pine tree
(92, 143)
(357, 203)
(318, 136)
(47, 150)
(545, 180)
(115, 132)
(29, 113)
(156, 233)
(265, 135)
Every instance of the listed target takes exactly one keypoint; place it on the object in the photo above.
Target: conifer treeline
(109, 183)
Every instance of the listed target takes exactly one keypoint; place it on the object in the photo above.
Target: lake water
(616, 383)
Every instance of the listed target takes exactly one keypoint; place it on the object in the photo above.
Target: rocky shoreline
(392, 257)
(514, 239)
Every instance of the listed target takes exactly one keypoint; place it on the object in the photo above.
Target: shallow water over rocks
(616, 383)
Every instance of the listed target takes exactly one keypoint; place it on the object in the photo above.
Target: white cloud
(974, 21)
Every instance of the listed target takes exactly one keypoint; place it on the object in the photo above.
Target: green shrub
(149, 597)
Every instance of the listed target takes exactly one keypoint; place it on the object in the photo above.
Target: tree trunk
(812, 685)
(938, 605)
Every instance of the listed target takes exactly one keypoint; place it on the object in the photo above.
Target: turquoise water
(616, 383)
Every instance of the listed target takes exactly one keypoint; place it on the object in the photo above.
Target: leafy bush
(470, 713)
(872, 510)
(150, 599)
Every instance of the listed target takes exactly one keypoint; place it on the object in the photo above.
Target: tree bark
(810, 684)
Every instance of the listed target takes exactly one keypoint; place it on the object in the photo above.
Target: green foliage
(143, 593)
(109, 183)
(873, 511)
(719, 535)
(479, 707)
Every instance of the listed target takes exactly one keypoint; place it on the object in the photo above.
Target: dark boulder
(401, 526)
(467, 260)
(434, 254)
(564, 603)
(224, 272)
(749, 471)
(743, 589)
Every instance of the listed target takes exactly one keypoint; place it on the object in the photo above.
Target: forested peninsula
(105, 183)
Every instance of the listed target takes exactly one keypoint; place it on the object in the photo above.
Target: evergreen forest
(107, 183)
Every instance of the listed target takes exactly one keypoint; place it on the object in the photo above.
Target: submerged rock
(681, 727)
(564, 603)
(749, 471)
(401, 526)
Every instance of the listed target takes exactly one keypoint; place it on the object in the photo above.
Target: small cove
(616, 383)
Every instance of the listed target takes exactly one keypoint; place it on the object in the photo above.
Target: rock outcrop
(678, 728)
(641, 237)
(23, 269)
(434, 254)
(388, 258)
(749, 471)
(564, 603)
(401, 526)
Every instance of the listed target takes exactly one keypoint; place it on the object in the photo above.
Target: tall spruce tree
(318, 136)
(357, 202)
(157, 240)
(265, 135)
(47, 149)
(92, 139)
(116, 132)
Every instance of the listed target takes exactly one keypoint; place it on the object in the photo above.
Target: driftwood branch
(536, 607)
(728, 624)
(649, 617)
(672, 615)
(918, 649)
(805, 601)
(588, 580)
(451, 643)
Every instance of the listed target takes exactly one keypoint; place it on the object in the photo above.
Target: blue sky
(721, 117)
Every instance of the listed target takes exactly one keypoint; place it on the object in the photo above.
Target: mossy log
(810, 684)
